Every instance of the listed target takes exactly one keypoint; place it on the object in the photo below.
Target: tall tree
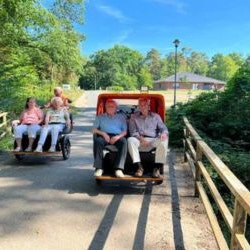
(68, 12)
(222, 67)
(198, 63)
(168, 64)
(145, 78)
(153, 61)
(118, 66)
(238, 58)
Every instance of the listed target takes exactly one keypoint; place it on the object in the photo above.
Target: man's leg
(133, 145)
(161, 151)
(121, 154)
(99, 144)
(160, 156)
(133, 148)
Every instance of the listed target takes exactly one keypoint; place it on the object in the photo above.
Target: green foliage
(239, 84)
(125, 81)
(116, 66)
(68, 12)
(38, 48)
(223, 67)
(198, 63)
(110, 67)
(236, 158)
(144, 78)
(115, 88)
(153, 62)
(175, 125)
(6, 143)
(223, 121)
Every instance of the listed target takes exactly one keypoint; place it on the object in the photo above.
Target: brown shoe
(156, 173)
(139, 171)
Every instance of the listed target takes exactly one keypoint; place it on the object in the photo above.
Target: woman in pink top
(30, 120)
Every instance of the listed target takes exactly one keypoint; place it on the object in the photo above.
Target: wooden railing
(3, 124)
(196, 152)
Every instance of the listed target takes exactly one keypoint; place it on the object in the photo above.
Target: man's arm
(163, 130)
(101, 133)
(96, 130)
(133, 131)
(116, 138)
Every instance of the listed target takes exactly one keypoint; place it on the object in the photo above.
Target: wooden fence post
(185, 143)
(197, 169)
(239, 224)
(3, 124)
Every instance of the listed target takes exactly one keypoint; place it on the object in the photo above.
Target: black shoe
(139, 171)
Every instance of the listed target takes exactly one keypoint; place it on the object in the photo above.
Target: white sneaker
(119, 173)
(39, 148)
(52, 149)
(17, 149)
(98, 172)
(28, 149)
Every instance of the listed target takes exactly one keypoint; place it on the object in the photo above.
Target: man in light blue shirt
(110, 128)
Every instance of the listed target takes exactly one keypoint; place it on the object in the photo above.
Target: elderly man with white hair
(147, 129)
(110, 128)
(58, 92)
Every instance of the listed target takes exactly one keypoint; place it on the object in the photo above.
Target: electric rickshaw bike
(127, 106)
(63, 145)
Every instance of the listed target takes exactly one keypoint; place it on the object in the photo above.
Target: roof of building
(190, 77)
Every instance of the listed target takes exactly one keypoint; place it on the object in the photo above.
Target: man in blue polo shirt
(110, 128)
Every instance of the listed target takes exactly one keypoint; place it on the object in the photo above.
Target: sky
(206, 26)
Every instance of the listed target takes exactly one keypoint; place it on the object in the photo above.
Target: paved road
(52, 204)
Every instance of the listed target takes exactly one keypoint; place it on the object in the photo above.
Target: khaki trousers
(161, 149)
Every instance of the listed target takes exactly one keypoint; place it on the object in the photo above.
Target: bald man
(110, 128)
(147, 130)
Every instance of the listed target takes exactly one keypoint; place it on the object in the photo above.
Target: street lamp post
(176, 43)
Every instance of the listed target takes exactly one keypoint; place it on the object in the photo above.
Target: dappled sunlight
(6, 182)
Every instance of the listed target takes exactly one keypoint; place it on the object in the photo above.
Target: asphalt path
(48, 203)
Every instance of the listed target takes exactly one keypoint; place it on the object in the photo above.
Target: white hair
(57, 99)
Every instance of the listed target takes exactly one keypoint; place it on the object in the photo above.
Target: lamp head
(176, 42)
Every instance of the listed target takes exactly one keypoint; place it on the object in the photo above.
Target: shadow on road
(176, 216)
(142, 221)
(105, 226)
(102, 232)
